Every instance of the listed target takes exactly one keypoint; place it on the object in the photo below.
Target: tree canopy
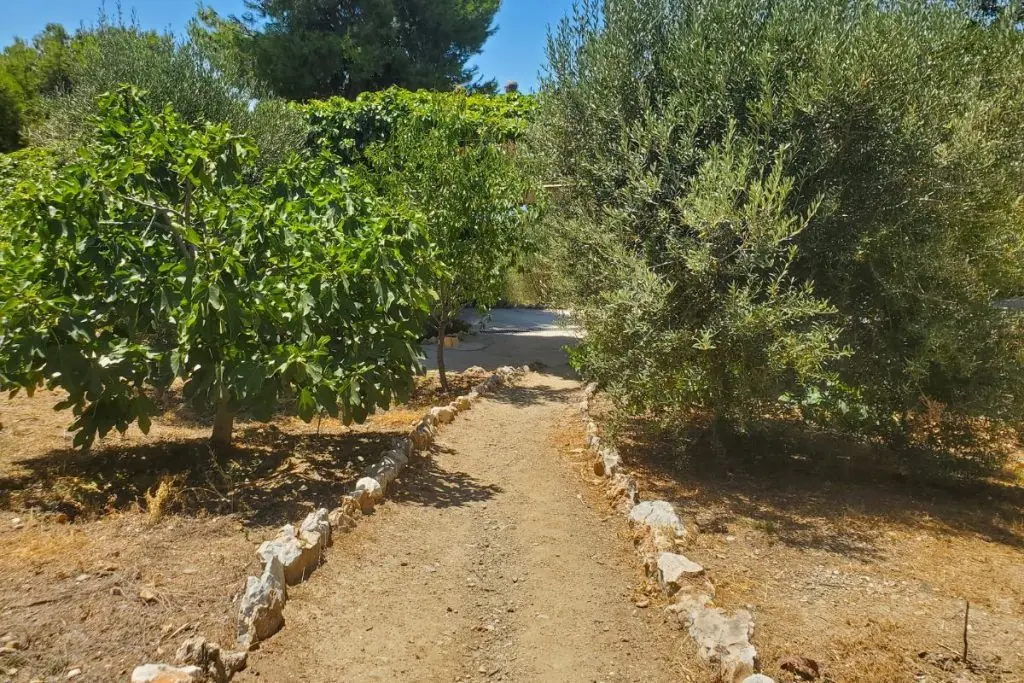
(308, 49)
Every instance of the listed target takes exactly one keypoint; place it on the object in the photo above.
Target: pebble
(74, 673)
(643, 603)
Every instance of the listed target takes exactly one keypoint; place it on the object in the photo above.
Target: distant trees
(28, 74)
(309, 49)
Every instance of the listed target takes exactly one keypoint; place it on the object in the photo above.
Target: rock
(609, 462)
(341, 520)
(74, 673)
(623, 490)
(218, 665)
(443, 415)
(475, 370)
(758, 678)
(803, 667)
(234, 661)
(463, 403)
(164, 673)
(422, 436)
(368, 493)
(590, 390)
(473, 396)
(296, 556)
(690, 598)
(147, 595)
(261, 613)
(315, 529)
(384, 474)
(674, 570)
(657, 513)
(725, 641)
(402, 445)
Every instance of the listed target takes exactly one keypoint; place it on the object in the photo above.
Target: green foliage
(28, 73)
(173, 72)
(10, 116)
(800, 200)
(348, 127)
(306, 49)
(153, 258)
(451, 157)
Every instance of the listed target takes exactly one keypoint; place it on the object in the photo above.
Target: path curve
(492, 562)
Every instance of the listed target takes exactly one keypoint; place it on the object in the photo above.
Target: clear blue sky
(515, 52)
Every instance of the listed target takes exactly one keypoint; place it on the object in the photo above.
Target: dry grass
(162, 529)
(848, 561)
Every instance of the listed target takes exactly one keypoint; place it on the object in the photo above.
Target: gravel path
(492, 562)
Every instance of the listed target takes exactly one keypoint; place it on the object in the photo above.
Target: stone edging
(294, 553)
(723, 640)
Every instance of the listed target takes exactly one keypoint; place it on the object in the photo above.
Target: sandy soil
(493, 562)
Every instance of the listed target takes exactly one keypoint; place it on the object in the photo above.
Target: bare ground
(865, 573)
(493, 562)
(92, 577)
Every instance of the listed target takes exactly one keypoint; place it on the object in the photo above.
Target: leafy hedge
(349, 127)
(155, 256)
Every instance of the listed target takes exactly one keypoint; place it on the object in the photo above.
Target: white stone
(297, 557)
(463, 403)
(725, 641)
(164, 673)
(261, 612)
(443, 415)
(657, 513)
(758, 678)
(475, 370)
(608, 463)
(674, 570)
(368, 493)
(315, 529)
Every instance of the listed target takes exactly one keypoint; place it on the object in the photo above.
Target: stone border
(290, 557)
(723, 640)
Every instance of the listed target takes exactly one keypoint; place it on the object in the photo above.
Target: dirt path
(491, 563)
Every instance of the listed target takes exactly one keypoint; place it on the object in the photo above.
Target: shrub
(796, 200)
(452, 158)
(152, 258)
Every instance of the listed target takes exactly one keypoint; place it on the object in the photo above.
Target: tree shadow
(536, 395)
(269, 478)
(426, 484)
(817, 492)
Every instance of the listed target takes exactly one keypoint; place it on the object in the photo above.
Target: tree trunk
(223, 425)
(441, 329)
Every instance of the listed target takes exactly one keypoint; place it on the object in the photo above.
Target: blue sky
(515, 52)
